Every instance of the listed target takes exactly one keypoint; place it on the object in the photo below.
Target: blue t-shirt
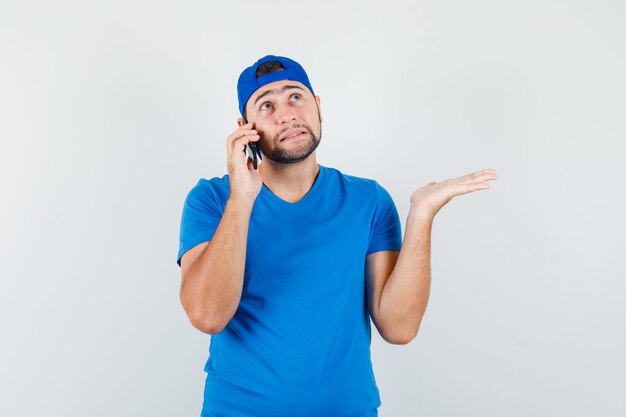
(299, 342)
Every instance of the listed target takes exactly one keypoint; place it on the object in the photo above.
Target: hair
(266, 68)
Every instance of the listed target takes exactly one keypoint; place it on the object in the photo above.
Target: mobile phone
(254, 150)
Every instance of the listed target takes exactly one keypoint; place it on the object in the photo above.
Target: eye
(265, 106)
(295, 97)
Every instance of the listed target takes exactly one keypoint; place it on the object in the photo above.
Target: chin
(283, 155)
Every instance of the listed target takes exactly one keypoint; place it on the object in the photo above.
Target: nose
(285, 115)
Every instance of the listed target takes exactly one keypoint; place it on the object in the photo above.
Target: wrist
(241, 201)
(421, 214)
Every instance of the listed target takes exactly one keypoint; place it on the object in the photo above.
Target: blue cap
(248, 82)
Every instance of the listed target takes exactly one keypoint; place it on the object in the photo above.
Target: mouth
(294, 135)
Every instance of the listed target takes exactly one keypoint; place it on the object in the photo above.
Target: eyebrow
(282, 90)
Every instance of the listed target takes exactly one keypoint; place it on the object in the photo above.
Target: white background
(111, 111)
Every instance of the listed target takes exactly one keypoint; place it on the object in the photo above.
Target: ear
(240, 121)
(319, 109)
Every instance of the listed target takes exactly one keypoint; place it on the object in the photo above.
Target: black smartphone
(253, 149)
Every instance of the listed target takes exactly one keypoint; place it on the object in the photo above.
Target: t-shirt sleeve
(386, 232)
(201, 216)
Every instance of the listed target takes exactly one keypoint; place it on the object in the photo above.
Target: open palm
(434, 195)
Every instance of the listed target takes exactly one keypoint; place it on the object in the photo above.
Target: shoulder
(210, 191)
(355, 183)
(351, 180)
(365, 192)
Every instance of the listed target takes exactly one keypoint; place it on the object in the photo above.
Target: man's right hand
(245, 181)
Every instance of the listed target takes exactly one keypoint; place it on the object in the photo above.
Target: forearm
(212, 286)
(405, 294)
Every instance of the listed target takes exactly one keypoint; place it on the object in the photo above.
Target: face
(287, 117)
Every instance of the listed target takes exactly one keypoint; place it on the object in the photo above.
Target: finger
(461, 189)
(240, 156)
(250, 137)
(239, 144)
(480, 176)
(240, 134)
(240, 131)
(479, 179)
(487, 171)
(470, 188)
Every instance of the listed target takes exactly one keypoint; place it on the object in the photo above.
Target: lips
(292, 133)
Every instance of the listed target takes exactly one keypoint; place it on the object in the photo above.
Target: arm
(399, 282)
(212, 272)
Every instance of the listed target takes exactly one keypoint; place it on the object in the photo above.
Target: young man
(284, 264)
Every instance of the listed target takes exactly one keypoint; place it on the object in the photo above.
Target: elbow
(400, 335)
(398, 328)
(205, 325)
(199, 317)
(203, 320)
(210, 329)
(401, 339)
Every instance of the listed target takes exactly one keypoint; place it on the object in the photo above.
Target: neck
(289, 182)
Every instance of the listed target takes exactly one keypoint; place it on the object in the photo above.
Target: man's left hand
(433, 196)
